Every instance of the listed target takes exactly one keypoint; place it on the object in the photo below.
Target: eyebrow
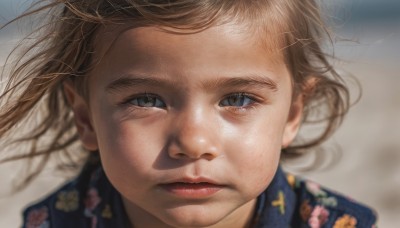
(257, 81)
(129, 81)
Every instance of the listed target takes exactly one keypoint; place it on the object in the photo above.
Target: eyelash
(252, 101)
(130, 100)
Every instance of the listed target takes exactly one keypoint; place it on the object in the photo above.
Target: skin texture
(166, 108)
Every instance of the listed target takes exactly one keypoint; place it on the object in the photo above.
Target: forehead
(264, 38)
(231, 45)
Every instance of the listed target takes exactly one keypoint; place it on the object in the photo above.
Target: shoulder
(87, 201)
(317, 206)
(62, 203)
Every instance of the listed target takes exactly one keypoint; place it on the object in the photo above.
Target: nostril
(209, 156)
(178, 155)
(181, 155)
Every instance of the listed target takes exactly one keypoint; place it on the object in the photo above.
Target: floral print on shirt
(91, 201)
(346, 221)
(37, 218)
(67, 201)
(319, 216)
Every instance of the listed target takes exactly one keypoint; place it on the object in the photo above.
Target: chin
(192, 218)
(191, 223)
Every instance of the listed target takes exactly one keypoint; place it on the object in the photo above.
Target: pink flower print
(92, 199)
(318, 217)
(315, 189)
(37, 218)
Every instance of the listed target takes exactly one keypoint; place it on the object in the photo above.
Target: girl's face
(189, 127)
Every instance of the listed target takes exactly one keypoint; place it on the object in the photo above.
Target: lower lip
(191, 190)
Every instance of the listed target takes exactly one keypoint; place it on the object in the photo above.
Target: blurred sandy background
(369, 170)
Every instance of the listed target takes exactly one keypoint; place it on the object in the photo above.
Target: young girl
(184, 110)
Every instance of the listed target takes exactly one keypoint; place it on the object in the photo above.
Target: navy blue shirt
(91, 201)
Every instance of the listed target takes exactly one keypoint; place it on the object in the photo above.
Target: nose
(194, 137)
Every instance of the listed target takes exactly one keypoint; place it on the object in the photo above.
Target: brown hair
(63, 48)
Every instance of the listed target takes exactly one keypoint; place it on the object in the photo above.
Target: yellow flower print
(67, 201)
(291, 179)
(280, 202)
(346, 221)
(106, 213)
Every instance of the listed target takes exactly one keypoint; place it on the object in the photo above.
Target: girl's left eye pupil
(146, 101)
(236, 100)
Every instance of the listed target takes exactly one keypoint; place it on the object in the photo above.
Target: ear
(82, 117)
(295, 116)
(294, 121)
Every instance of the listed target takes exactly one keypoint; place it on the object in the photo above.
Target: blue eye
(147, 100)
(237, 100)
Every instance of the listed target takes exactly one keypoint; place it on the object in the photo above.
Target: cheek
(259, 159)
(255, 157)
(128, 152)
